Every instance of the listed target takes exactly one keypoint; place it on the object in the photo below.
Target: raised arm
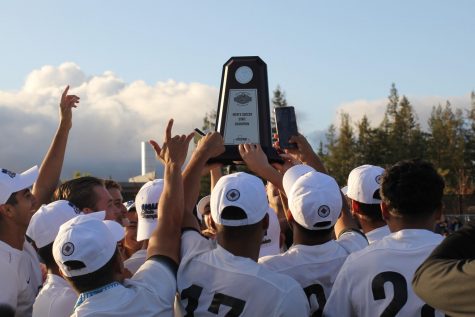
(165, 239)
(52, 164)
(305, 153)
(257, 162)
(209, 146)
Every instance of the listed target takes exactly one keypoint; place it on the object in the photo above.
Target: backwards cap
(364, 183)
(241, 190)
(44, 224)
(146, 204)
(203, 207)
(88, 241)
(314, 198)
(11, 182)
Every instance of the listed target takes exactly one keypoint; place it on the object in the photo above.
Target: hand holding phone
(286, 126)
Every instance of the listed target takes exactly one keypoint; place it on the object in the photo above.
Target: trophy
(243, 114)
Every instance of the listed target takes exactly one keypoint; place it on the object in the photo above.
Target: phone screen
(286, 126)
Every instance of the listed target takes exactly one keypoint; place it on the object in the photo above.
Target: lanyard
(89, 294)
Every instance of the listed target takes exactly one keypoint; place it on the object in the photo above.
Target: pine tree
(341, 151)
(278, 100)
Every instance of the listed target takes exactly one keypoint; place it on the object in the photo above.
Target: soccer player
(363, 187)
(86, 252)
(19, 267)
(224, 278)
(315, 205)
(376, 281)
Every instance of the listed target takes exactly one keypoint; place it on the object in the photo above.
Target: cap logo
(233, 195)
(9, 173)
(378, 179)
(67, 249)
(149, 211)
(324, 211)
(76, 209)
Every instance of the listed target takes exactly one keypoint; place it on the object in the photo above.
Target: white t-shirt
(378, 278)
(135, 261)
(20, 277)
(315, 266)
(150, 292)
(56, 298)
(212, 281)
(377, 234)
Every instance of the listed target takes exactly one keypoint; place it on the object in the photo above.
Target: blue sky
(327, 55)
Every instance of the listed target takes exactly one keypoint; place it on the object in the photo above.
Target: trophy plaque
(243, 114)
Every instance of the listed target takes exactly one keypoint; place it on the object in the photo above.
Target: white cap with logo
(44, 224)
(146, 204)
(11, 182)
(364, 183)
(314, 198)
(86, 240)
(241, 190)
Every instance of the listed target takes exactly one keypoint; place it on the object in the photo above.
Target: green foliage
(449, 143)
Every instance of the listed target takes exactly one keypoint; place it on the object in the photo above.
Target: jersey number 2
(400, 294)
(193, 294)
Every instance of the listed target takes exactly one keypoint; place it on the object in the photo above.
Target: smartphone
(286, 126)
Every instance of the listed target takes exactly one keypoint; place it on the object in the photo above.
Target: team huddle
(280, 240)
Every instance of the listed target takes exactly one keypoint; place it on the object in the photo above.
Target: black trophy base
(231, 156)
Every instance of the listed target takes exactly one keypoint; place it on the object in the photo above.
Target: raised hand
(65, 108)
(254, 157)
(174, 149)
(211, 145)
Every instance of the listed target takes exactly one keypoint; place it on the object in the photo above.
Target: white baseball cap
(44, 224)
(271, 242)
(146, 204)
(11, 182)
(239, 190)
(203, 207)
(88, 240)
(314, 198)
(293, 173)
(364, 183)
(129, 205)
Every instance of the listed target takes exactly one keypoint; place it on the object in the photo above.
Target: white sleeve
(63, 305)
(9, 292)
(352, 241)
(193, 243)
(339, 303)
(158, 278)
(295, 303)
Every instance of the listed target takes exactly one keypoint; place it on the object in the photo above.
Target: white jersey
(376, 281)
(214, 282)
(21, 278)
(315, 266)
(377, 234)
(56, 298)
(150, 292)
(135, 261)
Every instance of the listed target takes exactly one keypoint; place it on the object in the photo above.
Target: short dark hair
(101, 277)
(12, 199)
(110, 184)
(79, 191)
(314, 233)
(371, 211)
(237, 232)
(412, 188)
(46, 254)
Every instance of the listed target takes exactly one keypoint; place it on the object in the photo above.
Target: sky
(137, 63)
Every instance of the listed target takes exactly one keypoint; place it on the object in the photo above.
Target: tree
(278, 100)
(447, 145)
(341, 151)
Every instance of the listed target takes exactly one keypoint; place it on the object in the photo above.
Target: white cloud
(112, 118)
